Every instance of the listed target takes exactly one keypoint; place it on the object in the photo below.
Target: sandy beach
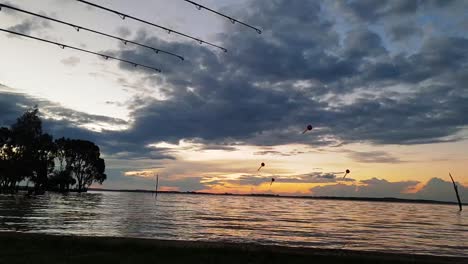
(37, 248)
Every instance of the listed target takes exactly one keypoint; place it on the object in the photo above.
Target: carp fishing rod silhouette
(233, 20)
(63, 46)
(78, 28)
(123, 16)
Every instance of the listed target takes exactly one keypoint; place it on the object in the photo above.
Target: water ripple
(387, 227)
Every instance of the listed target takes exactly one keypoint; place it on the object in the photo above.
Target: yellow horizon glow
(220, 169)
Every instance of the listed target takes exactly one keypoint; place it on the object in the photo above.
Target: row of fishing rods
(125, 41)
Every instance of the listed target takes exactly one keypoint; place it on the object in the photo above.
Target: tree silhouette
(43, 163)
(7, 159)
(84, 162)
(61, 178)
(26, 153)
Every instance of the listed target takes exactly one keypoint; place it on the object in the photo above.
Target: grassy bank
(34, 248)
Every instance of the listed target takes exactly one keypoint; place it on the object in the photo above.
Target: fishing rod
(63, 46)
(78, 28)
(233, 20)
(168, 30)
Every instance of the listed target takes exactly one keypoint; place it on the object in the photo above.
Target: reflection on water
(389, 227)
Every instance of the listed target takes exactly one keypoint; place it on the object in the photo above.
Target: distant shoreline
(362, 199)
(40, 248)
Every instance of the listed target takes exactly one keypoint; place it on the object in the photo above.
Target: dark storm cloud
(268, 87)
(13, 104)
(249, 95)
(369, 10)
(363, 43)
(404, 31)
(63, 122)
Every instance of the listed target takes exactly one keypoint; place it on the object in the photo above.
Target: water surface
(374, 226)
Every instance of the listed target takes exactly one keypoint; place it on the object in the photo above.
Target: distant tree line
(28, 155)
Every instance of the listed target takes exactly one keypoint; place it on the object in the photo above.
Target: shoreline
(41, 248)
(357, 199)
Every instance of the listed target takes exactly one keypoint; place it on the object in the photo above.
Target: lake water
(375, 226)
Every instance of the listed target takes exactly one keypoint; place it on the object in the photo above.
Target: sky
(384, 83)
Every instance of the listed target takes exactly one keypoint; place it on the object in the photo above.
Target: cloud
(71, 61)
(64, 122)
(28, 26)
(331, 64)
(124, 32)
(122, 158)
(439, 189)
(257, 180)
(404, 31)
(434, 189)
(371, 11)
(373, 157)
(250, 95)
(368, 188)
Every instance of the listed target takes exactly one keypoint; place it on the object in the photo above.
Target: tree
(27, 129)
(28, 153)
(5, 136)
(36, 149)
(13, 166)
(43, 162)
(84, 161)
(61, 178)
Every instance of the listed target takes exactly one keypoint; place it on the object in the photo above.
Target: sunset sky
(384, 83)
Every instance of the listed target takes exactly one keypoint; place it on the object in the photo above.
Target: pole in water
(346, 173)
(272, 181)
(261, 165)
(308, 128)
(157, 182)
(456, 192)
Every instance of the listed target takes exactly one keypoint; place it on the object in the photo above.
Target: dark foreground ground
(33, 248)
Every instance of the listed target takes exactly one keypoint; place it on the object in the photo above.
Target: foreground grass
(34, 248)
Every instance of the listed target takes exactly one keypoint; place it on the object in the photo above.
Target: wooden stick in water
(456, 192)
(157, 182)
